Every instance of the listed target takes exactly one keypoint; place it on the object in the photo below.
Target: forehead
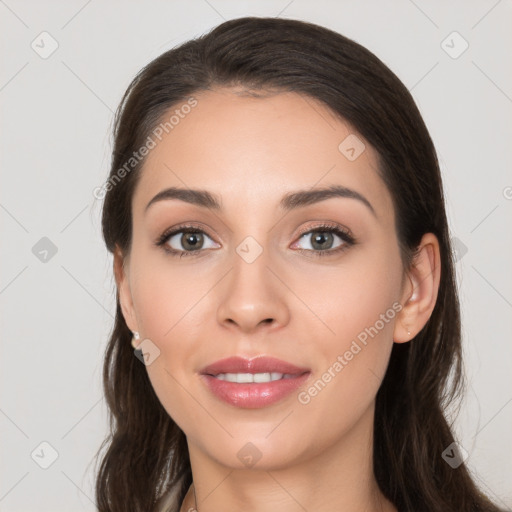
(253, 150)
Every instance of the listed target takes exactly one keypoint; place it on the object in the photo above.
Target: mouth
(255, 366)
(244, 378)
(253, 383)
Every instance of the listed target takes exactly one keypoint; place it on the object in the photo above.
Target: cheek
(170, 312)
(165, 295)
(358, 307)
(171, 372)
(352, 298)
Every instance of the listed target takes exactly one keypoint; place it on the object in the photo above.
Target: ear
(123, 289)
(420, 294)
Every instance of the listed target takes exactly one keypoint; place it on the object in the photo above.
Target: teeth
(243, 378)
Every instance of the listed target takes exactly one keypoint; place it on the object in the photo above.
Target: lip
(253, 395)
(261, 364)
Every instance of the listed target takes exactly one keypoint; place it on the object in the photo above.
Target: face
(314, 283)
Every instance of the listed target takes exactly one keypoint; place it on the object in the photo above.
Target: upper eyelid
(326, 225)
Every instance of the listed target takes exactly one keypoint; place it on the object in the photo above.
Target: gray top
(170, 502)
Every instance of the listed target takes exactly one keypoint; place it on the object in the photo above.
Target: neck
(339, 477)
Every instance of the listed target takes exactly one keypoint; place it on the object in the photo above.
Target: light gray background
(56, 120)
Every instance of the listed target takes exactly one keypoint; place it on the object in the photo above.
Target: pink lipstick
(253, 383)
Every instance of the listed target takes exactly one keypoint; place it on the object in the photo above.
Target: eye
(322, 240)
(190, 241)
(185, 241)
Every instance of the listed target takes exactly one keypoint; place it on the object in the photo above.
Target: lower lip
(253, 395)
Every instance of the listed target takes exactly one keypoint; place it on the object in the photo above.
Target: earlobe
(420, 295)
(123, 289)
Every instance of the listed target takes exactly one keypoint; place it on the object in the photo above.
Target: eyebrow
(290, 201)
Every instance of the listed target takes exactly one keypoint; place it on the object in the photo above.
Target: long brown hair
(146, 452)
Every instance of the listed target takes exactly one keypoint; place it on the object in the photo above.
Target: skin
(250, 151)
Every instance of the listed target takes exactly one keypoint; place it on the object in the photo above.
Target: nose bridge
(250, 262)
(252, 294)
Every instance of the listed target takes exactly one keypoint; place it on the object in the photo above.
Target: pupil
(192, 240)
(321, 238)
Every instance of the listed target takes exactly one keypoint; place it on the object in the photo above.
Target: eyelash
(344, 234)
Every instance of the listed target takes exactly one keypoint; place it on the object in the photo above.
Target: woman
(285, 277)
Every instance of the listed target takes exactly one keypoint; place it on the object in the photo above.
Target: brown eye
(191, 241)
(185, 241)
(326, 240)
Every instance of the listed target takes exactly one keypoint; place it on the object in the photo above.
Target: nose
(252, 297)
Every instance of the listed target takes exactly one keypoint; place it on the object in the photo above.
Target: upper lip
(261, 364)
